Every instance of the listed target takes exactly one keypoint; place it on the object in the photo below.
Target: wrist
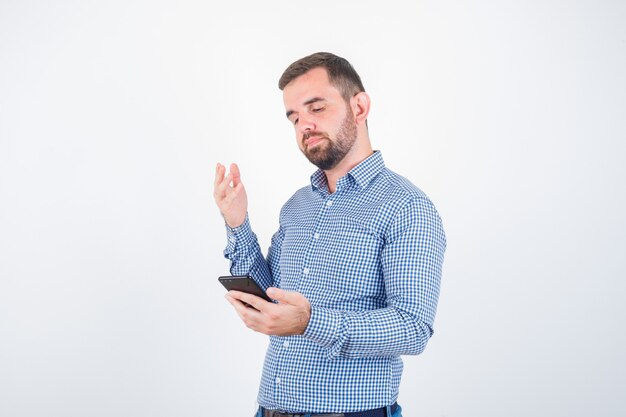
(234, 223)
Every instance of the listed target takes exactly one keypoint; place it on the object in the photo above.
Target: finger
(256, 302)
(240, 307)
(219, 174)
(245, 313)
(282, 296)
(222, 189)
(221, 183)
(235, 303)
(232, 194)
(234, 170)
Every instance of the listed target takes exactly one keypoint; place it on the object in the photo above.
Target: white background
(509, 114)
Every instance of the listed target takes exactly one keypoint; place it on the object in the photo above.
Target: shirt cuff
(324, 326)
(238, 237)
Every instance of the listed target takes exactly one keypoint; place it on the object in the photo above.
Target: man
(354, 267)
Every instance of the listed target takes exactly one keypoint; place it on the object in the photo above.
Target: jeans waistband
(378, 412)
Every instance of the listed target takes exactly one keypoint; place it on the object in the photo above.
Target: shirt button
(278, 380)
(316, 236)
(329, 203)
(286, 344)
(306, 271)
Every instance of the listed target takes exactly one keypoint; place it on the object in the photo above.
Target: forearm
(245, 255)
(383, 332)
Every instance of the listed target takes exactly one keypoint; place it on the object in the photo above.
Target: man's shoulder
(393, 185)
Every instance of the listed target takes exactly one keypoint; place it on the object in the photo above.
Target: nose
(305, 123)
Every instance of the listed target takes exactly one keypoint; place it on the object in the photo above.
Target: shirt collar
(362, 174)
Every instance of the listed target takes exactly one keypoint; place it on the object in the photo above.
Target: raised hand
(230, 195)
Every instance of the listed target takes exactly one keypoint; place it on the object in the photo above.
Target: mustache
(308, 134)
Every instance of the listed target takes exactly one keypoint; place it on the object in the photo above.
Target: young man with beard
(354, 267)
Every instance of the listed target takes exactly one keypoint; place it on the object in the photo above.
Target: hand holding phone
(290, 314)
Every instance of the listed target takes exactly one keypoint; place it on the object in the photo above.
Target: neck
(357, 154)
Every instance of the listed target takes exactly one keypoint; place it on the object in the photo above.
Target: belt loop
(388, 411)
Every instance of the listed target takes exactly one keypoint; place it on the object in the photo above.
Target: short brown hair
(340, 73)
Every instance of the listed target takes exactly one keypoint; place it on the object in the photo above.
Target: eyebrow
(306, 103)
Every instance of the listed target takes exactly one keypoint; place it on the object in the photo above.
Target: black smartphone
(243, 283)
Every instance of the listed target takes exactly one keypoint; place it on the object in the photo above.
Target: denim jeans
(398, 412)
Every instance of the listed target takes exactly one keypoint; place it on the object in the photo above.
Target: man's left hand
(289, 317)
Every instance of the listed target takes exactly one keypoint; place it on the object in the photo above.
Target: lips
(312, 141)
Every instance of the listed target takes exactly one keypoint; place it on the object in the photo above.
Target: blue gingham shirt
(368, 257)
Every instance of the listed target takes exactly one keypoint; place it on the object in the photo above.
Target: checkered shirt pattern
(368, 257)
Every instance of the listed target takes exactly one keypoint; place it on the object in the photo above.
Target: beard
(328, 153)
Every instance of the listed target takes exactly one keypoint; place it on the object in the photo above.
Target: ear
(360, 105)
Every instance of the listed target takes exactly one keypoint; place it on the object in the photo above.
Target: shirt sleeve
(411, 263)
(245, 256)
